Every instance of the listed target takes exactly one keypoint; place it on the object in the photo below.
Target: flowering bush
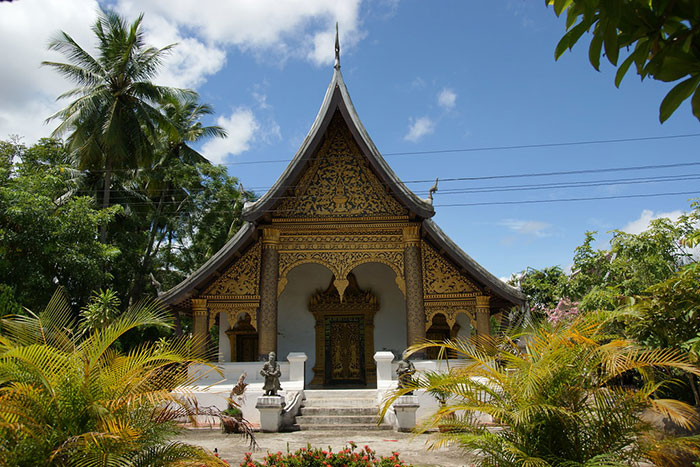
(316, 457)
(565, 310)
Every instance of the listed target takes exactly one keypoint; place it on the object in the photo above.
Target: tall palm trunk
(105, 196)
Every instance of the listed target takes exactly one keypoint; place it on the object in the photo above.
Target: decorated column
(483, 315)
(415, 311)
(200, 317)
(269, 274)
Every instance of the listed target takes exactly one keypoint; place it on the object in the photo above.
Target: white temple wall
(295, 323)
(224, 342)
(390, 320)
(465, 327)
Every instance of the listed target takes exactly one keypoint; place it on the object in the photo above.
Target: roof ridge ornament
(337, 48)
(432, 190)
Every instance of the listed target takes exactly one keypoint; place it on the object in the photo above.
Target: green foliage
(543, 288)
(47, 234)
(127, 150)
(102, 308)
(559, 402)
(112, 121)
(70, 398)
(661, 39)
(667, 314)
(8, 302)
(317, 457)
(601, 279)
(233, 412)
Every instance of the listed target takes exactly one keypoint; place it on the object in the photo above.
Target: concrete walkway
(412, 448)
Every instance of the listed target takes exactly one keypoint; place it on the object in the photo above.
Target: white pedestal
(384, 374)
(405, 408)
(296, 371)
(270, 408)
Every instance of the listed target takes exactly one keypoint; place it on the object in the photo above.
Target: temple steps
(344, 409)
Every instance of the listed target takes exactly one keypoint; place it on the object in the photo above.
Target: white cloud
(28, 92)
(420, 127)
(534, 228)
(447, 99)
(189, 62)
(242, 128)
(638, 226)
(270, 29)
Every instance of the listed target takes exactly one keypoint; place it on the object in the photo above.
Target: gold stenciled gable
(338, 204)
(339, 182)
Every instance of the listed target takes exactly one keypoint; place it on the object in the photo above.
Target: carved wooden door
(345, 349)
(247, 347)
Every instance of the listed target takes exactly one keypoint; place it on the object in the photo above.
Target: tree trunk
(142, 271)
(178, 324)
(105, 197)
(694, 387)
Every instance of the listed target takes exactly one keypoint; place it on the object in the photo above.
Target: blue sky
(424, 76)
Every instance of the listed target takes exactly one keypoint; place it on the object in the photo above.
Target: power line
(498, 148)
(457, 191)
(561, 200)
(494, 203)
(460, 150)
(567, 172)
(543, 145)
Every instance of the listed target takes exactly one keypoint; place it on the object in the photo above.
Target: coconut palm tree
(173, 154)
(112, 122)
(561, 401)
(68, 397)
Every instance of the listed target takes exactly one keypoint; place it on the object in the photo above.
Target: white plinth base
(405, 408)
(270, 408)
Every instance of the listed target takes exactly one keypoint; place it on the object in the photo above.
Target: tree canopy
(661, 38)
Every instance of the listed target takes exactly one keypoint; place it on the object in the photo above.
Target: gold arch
(234, 315)
(282, 281)
(450, 313)
(398, 269)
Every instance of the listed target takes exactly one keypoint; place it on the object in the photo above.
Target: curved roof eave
(497, 286)
(337, 96)
(220, 259)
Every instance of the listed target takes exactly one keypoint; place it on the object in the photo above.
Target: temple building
(338, 260)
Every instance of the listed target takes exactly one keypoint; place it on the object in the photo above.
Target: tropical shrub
(560, 401)
(350, 456)
(68, 397)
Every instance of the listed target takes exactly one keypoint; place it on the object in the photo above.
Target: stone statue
(271, 372)
(405, 372)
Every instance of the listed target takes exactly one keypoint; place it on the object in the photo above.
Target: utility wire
(459, 150)
(477, 190)
(497, 148)
(494, 203)
(561, 200)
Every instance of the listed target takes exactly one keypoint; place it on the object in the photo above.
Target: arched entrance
(344, 335)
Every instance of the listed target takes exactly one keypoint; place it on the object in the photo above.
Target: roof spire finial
(337, 48)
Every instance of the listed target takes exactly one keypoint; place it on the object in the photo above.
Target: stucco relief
(339, 182)
(242, 278)
(440, 276)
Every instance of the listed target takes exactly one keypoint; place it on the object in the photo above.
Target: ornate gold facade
(340, 216)
(339, 183)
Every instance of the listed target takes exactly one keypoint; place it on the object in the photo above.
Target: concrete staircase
(340, 409)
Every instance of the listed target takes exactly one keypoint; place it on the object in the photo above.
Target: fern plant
(68, 398)
(558, 402)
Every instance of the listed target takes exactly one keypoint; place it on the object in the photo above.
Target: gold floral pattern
(339, 182)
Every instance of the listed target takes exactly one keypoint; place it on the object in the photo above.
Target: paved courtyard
(412, 448)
